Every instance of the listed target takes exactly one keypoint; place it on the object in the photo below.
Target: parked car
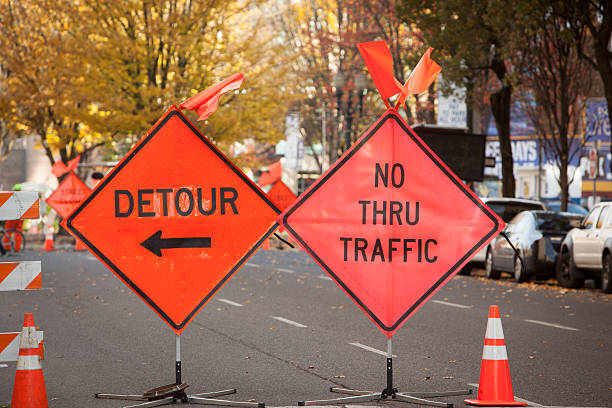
(537, 236)
(507, 208)
(586, 252)
(555, 205)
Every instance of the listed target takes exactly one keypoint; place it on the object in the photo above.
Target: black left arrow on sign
(155, 243)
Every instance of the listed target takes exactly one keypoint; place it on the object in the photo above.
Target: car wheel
(566, 272)
(606, 274)
(466, 270)
(520, 274)
(490, 271)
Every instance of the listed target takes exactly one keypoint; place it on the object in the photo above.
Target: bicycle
(12, 238)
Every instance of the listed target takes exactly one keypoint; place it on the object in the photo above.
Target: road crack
(278, 358)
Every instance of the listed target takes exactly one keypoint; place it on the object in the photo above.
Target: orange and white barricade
(19, 205)
(23, 275)
(9, 346)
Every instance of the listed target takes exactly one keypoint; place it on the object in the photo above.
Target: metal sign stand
(389, 393)
(172, 393)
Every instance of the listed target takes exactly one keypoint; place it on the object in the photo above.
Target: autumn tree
(324, 36)
(477, 37)
(594, 19)
(44, 89)
(318, 34)
(150, 55)
(7, 138)
(554, 89)
(83, 74)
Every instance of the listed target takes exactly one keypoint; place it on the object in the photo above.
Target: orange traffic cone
(495, 386)
(79, 246)
(266, 244)
(29, 388)
(48, 239)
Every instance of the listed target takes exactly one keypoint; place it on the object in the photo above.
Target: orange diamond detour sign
(390, 222)
(174, 220)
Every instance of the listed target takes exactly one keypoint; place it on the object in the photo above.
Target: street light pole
(339, 83)
(361, 85)
(349, 121)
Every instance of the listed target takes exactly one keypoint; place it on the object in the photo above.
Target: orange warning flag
(379, 61)
(72, 164)
(59, 168)
(206, 102)
(422, 76)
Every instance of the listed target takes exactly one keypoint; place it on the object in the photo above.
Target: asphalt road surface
(281, 331)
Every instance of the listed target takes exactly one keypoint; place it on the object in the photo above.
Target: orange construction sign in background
(69, 193)
(175, 219)
(281, 195)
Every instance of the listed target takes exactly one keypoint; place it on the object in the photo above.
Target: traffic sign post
(391, 224)
(174, 220)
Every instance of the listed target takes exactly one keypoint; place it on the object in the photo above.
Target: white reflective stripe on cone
(29, 363)
(494, 353)
(494, 329)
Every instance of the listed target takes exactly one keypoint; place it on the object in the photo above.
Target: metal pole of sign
(178, 359)
(388, 393)
(323, 137)
(173, 393)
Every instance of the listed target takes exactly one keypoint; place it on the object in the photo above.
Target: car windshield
(571, 207)
(553, 222)
(507, 211)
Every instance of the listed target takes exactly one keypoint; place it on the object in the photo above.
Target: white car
(586, 252)
(506, 208)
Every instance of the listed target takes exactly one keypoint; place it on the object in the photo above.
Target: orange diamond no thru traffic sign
(390, 223)
(174, 220)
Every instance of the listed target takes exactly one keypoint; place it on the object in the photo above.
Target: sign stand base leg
(389, 393)
(173, 393)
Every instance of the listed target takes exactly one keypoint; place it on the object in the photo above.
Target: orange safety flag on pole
(206, 102)
(379, 61)
(72, 164)
(59, 168)
(422, 76)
